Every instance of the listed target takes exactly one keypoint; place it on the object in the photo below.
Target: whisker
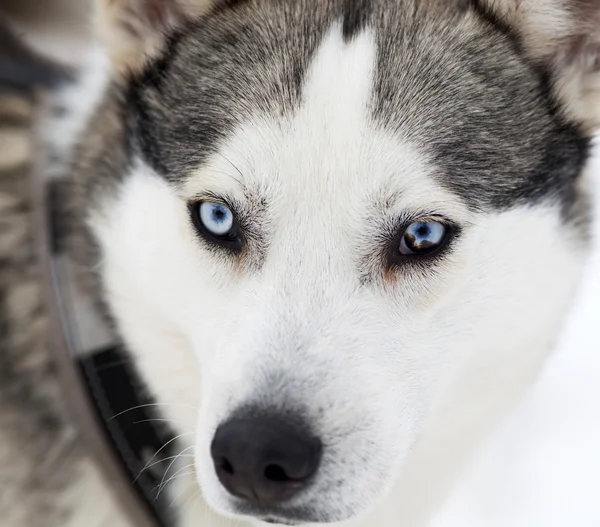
(173, 462)
(161, 486)
(191, 473)
(163, 460)
(235, 168)
(159, 451)
(148, 405)
(154, 419)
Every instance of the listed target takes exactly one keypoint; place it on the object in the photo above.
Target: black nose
(264, 460)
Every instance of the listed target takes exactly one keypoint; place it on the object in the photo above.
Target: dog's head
(346, 230)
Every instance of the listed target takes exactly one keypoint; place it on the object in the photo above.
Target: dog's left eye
(216, 223)
(216, 218)
(422, 238)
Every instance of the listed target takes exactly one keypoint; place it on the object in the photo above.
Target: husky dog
(338, 236)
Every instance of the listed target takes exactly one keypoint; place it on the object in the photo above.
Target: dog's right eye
(216, 218)
(216, 222)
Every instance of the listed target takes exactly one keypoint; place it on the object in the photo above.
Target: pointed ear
(562, 36)
(136, 31)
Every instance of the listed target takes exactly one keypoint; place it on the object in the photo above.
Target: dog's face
(342, 231)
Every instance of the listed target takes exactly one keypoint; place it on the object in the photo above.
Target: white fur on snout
(398, 377)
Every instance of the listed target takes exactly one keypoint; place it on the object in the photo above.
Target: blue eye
(423, 237)
(216, 218)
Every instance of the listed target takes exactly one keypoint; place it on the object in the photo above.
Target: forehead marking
(444, 79)
(339, 81)
(356, 17)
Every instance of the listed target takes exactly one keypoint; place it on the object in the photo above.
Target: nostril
(276, 473)
(225, 466)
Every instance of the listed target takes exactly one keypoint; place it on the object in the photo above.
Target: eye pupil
(423, 230)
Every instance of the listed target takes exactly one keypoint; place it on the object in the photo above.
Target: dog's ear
(135, 31)
(562, 36)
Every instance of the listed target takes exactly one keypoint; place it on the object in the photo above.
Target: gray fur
(450, 77)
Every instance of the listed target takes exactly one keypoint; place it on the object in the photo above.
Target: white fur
(410, 372)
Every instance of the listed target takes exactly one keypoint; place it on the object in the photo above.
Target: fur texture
(326, 126)
(563, 36)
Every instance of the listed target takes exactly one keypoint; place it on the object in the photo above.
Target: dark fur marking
(356, 17)
(488, 15)
(567, 153)
(478, 107)
(462, 91)
(140, 123)
(222, 5)
(154, 74)
(140, 126)
(188, 100)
